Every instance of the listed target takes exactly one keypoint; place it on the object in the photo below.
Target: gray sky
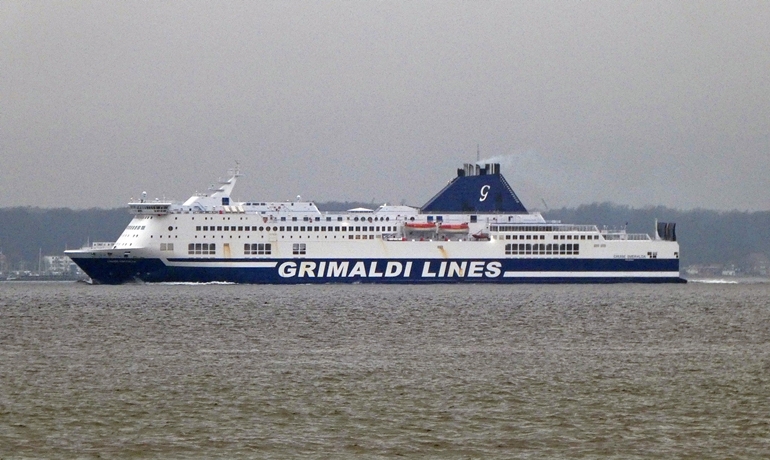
(638, 103)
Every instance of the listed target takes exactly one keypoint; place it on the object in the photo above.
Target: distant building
(757, 264)
(57, 265)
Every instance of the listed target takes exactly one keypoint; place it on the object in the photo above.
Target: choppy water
(177, 371)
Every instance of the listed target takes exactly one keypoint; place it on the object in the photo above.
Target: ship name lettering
(390, 269)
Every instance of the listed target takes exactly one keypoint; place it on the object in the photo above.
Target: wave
(713, 281)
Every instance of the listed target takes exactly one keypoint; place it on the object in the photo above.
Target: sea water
(360, 371)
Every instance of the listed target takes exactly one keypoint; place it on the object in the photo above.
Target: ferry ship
(475, 230)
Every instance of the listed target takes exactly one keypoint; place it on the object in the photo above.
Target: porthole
(170, 228)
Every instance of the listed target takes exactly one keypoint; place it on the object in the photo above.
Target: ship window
(298, 249)
(197, 228)
(315, 229)
(240, 229)
(302, 229)
(196, 248)
(474, 219)
(219, 228)
(283, 219)
(261, 228)
(257, 249)
(296, 229)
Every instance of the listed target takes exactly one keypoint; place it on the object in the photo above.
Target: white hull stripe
(198, 264)
(590, 274)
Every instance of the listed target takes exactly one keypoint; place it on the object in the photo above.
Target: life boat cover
(485, 191)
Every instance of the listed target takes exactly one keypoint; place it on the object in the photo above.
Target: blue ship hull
(411, 271)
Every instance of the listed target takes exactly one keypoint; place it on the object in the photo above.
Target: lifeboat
(420, 226)
(481, 235)
(454, 228)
